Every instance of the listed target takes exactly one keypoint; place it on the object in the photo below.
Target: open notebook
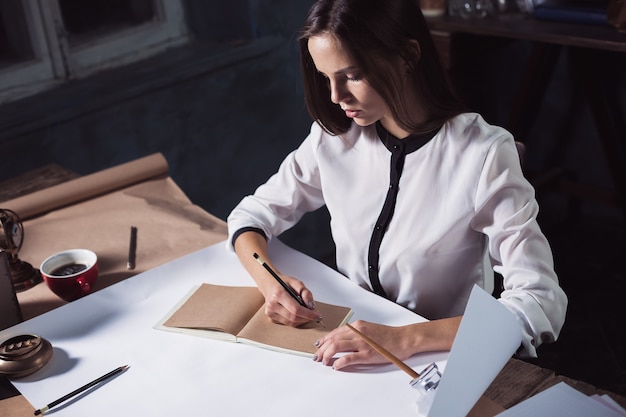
(236, 314)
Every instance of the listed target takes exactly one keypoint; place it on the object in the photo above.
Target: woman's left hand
(343, 339)
(402, 341)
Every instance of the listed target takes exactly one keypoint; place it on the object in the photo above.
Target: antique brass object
(23, 274)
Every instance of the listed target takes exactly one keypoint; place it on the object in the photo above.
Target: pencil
(290, 290)
(85, 387)
(378, 348)
(132, 249)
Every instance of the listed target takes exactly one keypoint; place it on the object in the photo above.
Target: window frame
(37, 73)
(55, 61)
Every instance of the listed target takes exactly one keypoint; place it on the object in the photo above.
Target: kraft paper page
(211, 307)
(262, 332)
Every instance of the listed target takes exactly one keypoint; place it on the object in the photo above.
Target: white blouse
(459, 196)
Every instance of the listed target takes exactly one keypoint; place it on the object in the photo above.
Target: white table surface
(174, 374)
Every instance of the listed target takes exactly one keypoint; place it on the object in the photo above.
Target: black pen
(85, 387)
(132, 248)
(290, 290)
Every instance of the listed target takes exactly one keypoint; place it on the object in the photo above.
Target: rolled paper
(88, 186)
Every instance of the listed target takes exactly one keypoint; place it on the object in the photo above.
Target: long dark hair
(375, 33)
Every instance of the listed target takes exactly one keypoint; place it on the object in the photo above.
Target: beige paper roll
(89, 186)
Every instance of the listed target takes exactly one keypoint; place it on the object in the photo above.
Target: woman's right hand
(280, 306)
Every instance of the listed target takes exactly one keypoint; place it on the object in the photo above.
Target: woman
(418, 191)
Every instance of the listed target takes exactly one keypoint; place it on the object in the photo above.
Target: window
(45, 42)
(24, 55)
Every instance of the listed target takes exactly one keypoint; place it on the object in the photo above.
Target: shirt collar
(409, 144)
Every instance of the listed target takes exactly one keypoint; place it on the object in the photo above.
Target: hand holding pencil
(278, 312)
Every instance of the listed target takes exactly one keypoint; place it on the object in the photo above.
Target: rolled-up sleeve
(506, 211)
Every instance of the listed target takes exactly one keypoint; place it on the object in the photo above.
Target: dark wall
(211, 107)
(558, 129)
(224, 111)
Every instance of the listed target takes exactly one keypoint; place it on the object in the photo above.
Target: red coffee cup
(70, 274)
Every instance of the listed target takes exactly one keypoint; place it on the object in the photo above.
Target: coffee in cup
(71, 274)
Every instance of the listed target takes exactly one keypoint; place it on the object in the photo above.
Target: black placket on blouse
(399, 148)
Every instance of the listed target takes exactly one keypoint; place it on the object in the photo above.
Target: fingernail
(315, 358)
(319, 318)
(312, 305)
(316, 343)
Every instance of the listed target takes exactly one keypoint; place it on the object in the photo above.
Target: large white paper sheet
(172, 374)
(561, 400)
(488, 336)
(609, 402)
